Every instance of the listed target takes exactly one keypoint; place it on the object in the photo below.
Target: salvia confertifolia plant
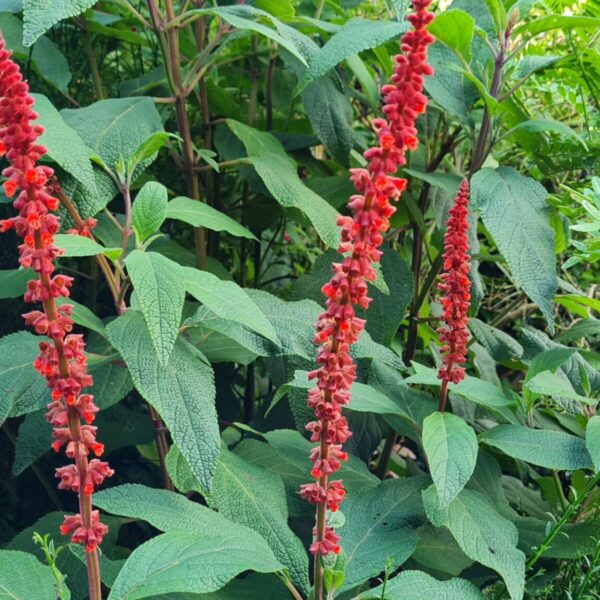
(336, 266)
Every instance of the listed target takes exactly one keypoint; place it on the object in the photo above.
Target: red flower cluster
(456, 287)
(362, 235)
(62, 360)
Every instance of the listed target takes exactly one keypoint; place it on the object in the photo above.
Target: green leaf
(416, 585)
(149, 148)
(182, 391)
(451, 448)
(500, 345)
(256, 498)
(160, 291)
(284, 9)
(438, 552)
(83, 316)
(64, 145)
(22, 390)
(280, 176)
(484, 536)
(13, 282)
(228, 300)
(187, 562)
(75, 245)
(556, 385)
(40, 15)
(115, 128)
(544, 448)
(545, 125)
(379, 527)
(592, 440)
(455, 28)
(149, 210)
(355, 36)
(45, 58)
(24, 577)
(199, 214)
(515, 213)
(550, 22)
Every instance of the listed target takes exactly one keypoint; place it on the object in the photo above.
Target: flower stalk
(456, 287)
(62, 361)
(338, 327)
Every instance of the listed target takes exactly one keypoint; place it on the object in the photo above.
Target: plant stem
(320, 8)
(89, 51)
(444, 393)
(386, 454)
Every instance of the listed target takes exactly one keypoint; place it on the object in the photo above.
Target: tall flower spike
(456, 287)
(62, 361)
(338, 327)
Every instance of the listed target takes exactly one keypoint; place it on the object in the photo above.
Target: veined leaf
(149, 210)
(78, 245)
(546, 125)
(13, 282)
(24, 577)
(455, 29)
(536, 26)
(592, 440)
(41, 15)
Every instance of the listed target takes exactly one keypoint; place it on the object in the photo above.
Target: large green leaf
(149, 209)
(182, 391)
(13, 282)
(74, 246)
(41, 15)
(483, 535)
(563, 22)
(279, 174)
(256, 498)
(355, 36)
(115, 128)
(592, 440)
(228, 301)
(45, 58)
(64, 145)
(199, 214)
(22, 390)
(160, 291)
(188, 562)
(557, 386)
(451, 448)
(544, 448)
(24, 577)
(515, 212)
(500, 345)
(379, 527)
(416, 585)
(455, 28)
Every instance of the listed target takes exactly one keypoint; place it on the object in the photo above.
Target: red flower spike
(456, 287)
(338, 327)
(62, 361)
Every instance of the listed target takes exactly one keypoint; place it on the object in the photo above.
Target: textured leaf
(500, 345)
(83, 316)
(13, 282)
(279, 174)
(158, 283)
(438, 551)
(355, 36)
(24, 577)
(199, 214)
(251, 496)
(64, 145)
(545, 125)
(515, 213)
(556, 385)
(592, 440)
(228, 300)
(115, 128)
(149, 210)
(455, 28)
(451, 448)
(41, 15)
(22, 390)
(483, 535)
(535, 26)
(187, 562)
(416, 585)
(587, 328)
(77, 245)
(182, 391)
(379, 527)
(46, 59)
(544, 448)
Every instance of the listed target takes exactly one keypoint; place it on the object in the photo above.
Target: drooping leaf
(24, 577)
(149, 210)
(416, 585)
(228, 300)
(41, 15)
(556, 385)
(515, 213)
(199, 214)
(13, 282)
(83, 316)
(592, 440)
(451, 448)
(158, 283)
(483, 535)
(379, 526)
(500, 345)
(187, 562)
(545, 448)
(353, 37)
(182, 391)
